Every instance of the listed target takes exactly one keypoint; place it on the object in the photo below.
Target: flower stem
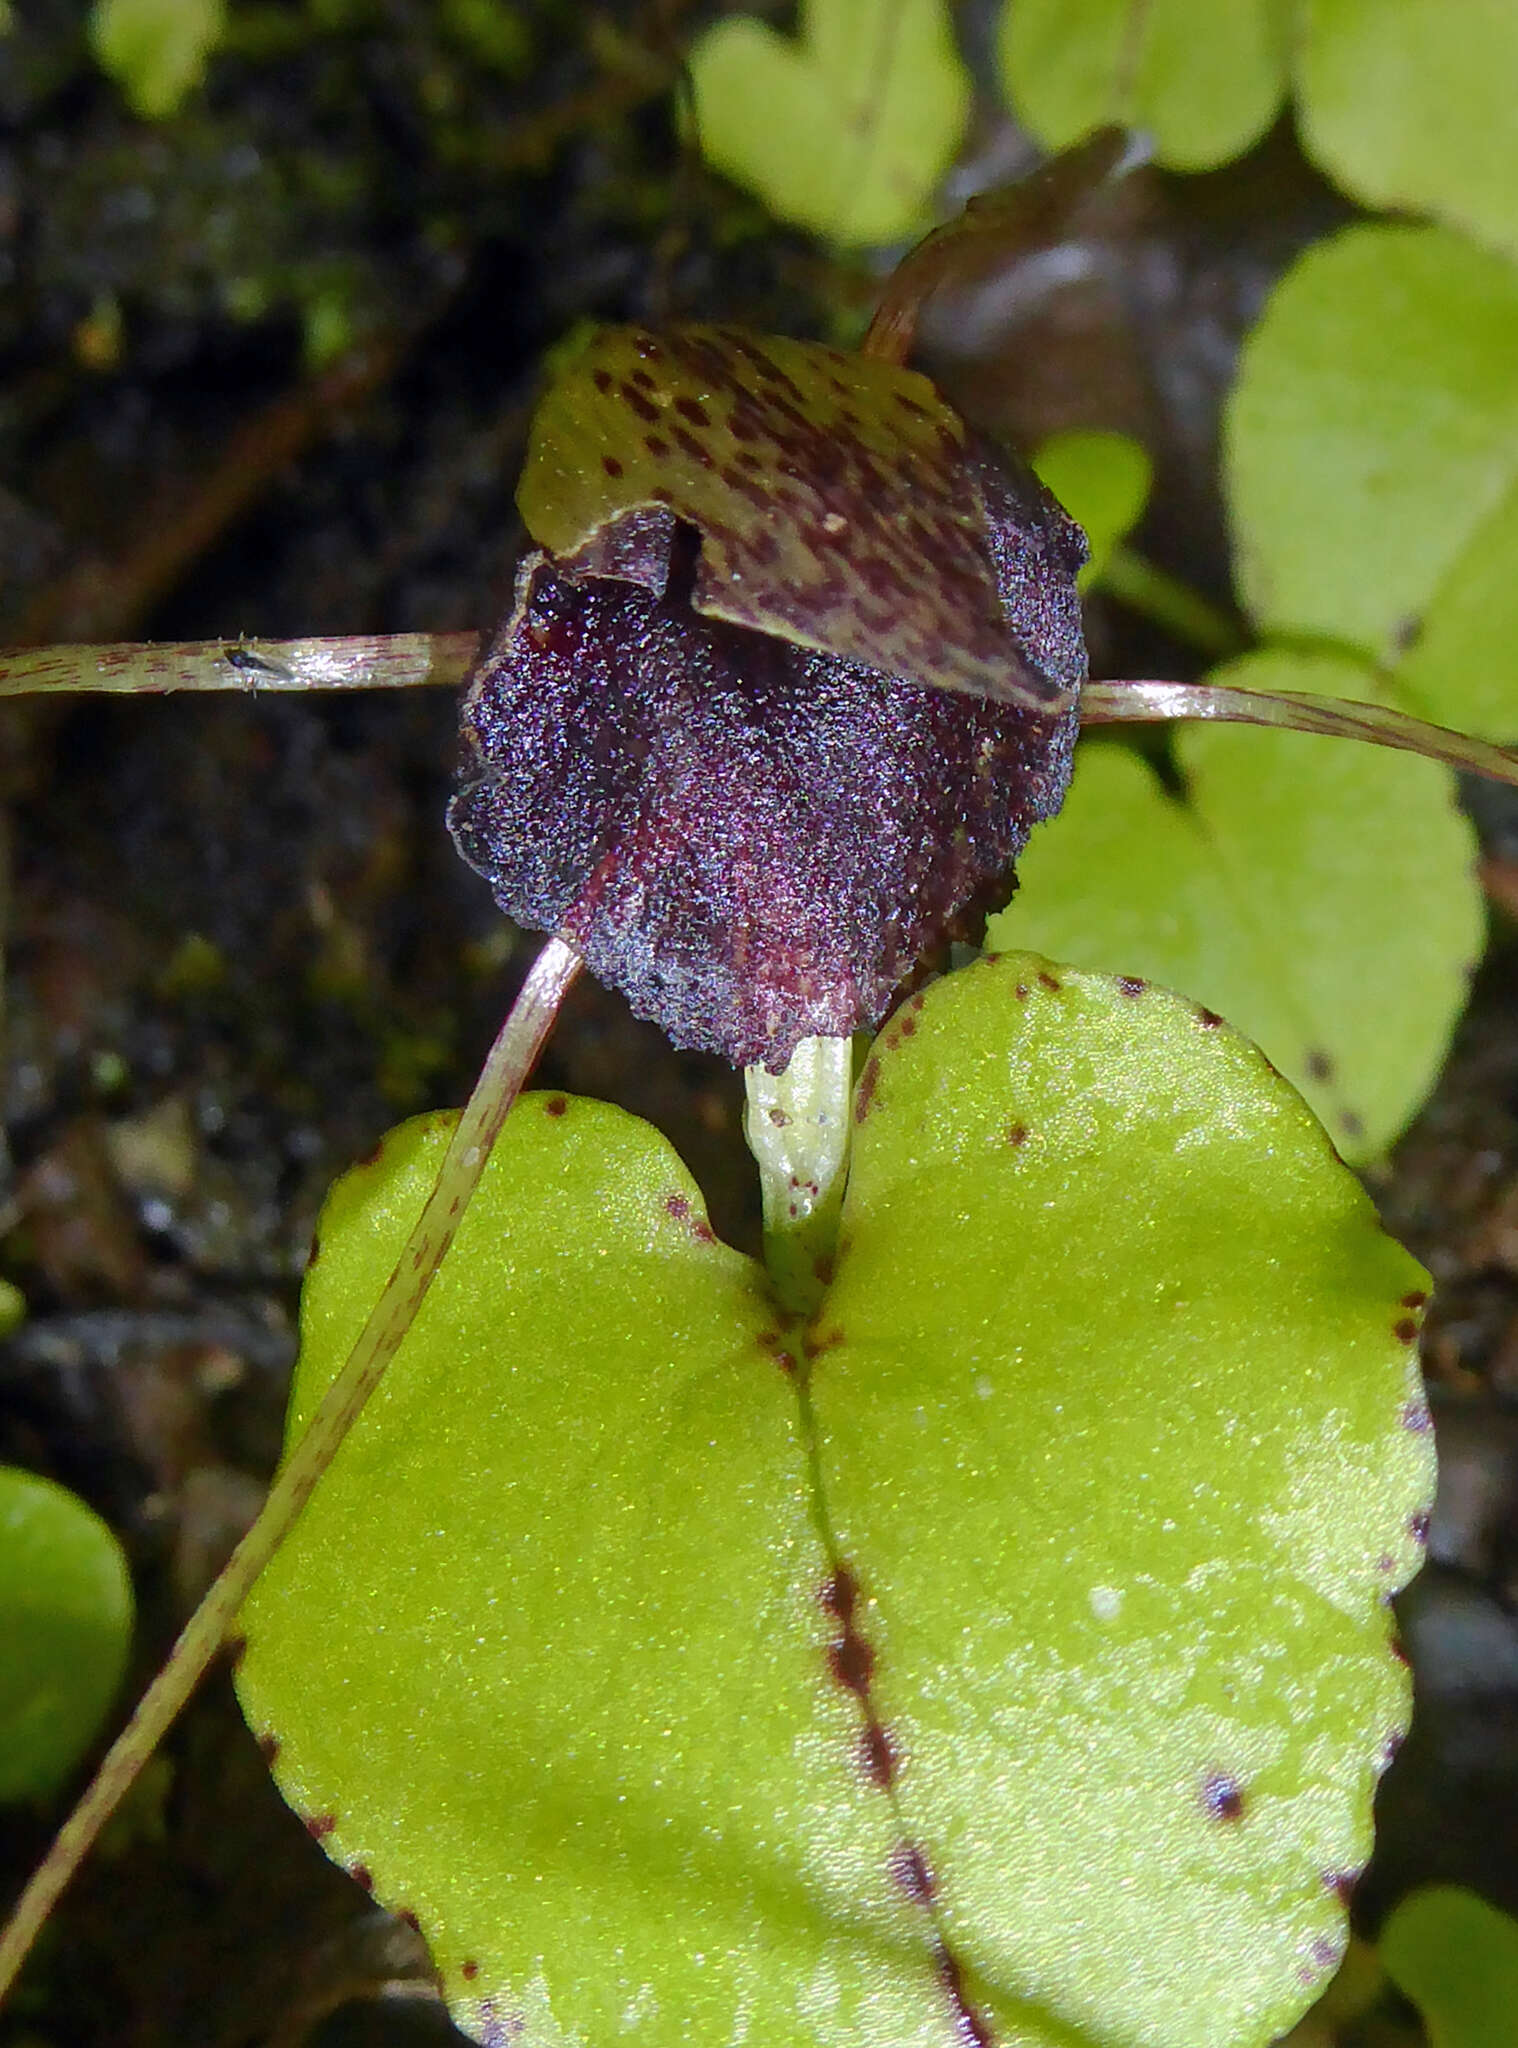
(506, 1068)
(1295, 711)
(797, 1126)
(362, 661)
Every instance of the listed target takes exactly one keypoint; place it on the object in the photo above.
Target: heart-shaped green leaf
(847, 130)
(1204, 80)
(156, 50)
(1372, 464)
(1323, 898)
(65, 1628)
(1020, 1665)
(1411, 107)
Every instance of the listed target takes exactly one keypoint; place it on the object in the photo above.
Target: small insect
(248, 661)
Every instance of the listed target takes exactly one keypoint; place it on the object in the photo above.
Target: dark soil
(238, 944)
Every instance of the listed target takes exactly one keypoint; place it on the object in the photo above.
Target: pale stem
(1182, 611)
(506, 1068)
(359, 661)
(1295, 711)
(797, 1125)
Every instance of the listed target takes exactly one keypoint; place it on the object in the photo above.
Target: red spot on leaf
(1417, 1299)
(362, 1876)
(1047, 980)
(680, 1209)
(469, 1971)
(840, 1594)
(969, 2025)
(1208, 1019)
(817, 1346)
(320, 1825)
(868, 1082)
(909, 1869)
(853, 1662)
(776, 1350)
(1017, 1134)
(556, 1105)
(877, 1756)
(1130, 985)
(1418, 1527)
(1223, 1797)
(1406, 1330)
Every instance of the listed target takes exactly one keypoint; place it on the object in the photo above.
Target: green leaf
(1206, 81)
(156, 50)
(846, 131)
(1373, 435)
(572, 1649)
(1322, 897)
(546, 1645)
(1461, 668)
(1109, 1407)
(65, 1627)
(1410, 107)
(1103, 481)
(1457, 1959)
(12, 1308)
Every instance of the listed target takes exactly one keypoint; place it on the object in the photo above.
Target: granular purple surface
(753, 841)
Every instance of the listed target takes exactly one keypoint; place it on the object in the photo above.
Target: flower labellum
(795, 672)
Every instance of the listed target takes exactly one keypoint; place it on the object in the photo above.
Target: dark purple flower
(739, 739)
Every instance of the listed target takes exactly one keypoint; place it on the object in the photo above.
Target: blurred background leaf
(1321, 897)
(846, 130)
(65, 1627)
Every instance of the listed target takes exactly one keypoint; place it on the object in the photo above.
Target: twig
(364, 661)
(1295, 711)
(506, 1068)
